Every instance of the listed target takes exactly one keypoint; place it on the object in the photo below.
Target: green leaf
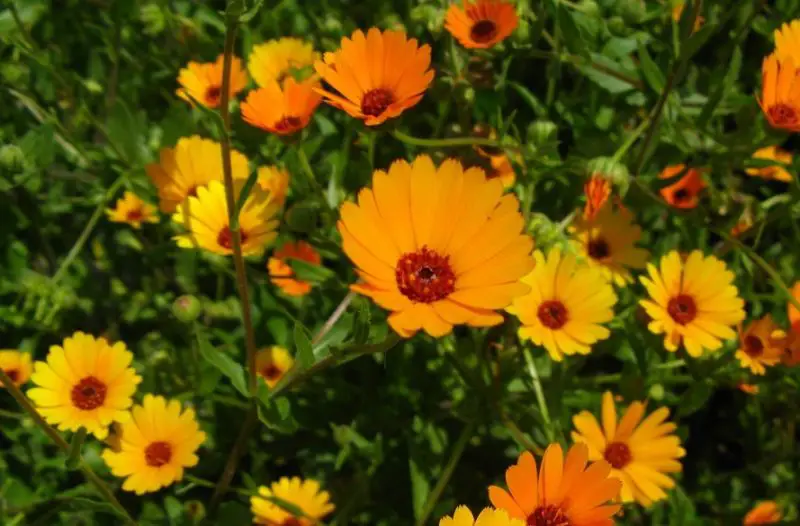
(603, 74)
(695, 42)
(303, 348)
(721, 88)
(275, 413)
(570, 33)
(314, 273)
(694, 398)
(244, 193)
(251, 13)
(650, 71)
(420, 487)
(223, 363)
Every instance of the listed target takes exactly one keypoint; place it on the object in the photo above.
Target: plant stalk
(74, 453)
(539, 392)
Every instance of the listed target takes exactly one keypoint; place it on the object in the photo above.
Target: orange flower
(203, 81)
(787, 40)
(780, 89)
(685, 193)
(378, 76)
(760, 345)
(750, 389)
(283, 112)
(766, 512)
(597, 190)
(793, 312)
(777, 172)
(281, 273)
(481, 24)
(791, 351)
(564, 491)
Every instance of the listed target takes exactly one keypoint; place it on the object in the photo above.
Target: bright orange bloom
(761, 345)
(766, 512)
(282, 111)
(780, 89)
(685, 193)
(481, 24)
(793, 312)
(281, 274)
(750, 389)
(563, 492)
(777, 171)
(597, 190)
(203, 81)
(787, 40)
(377, 76)
(791, 350)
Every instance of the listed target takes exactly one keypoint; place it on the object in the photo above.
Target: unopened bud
(187, 308)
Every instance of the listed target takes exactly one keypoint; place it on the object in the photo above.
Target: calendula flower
(281, 273)
(567, 304)
(692, 302)
(780, 91)
(563, 492)
(274, 60)
(194, 162)
(282, 110)
(85, 382)
(272, 363)
(377, 76)
(792, 311)
(750, 389)
(156, 445)
(488, 517)
(274, 180)
(597, 190)
(787, 40)
(761, 345)
(132, 210)
(684, 193)
(766, 512)
(481, 24)
(791, 348)
(642, 453)
(205, 218)
(775, 172)
(203, 81)
(437, 247)
(608, 241)
(16, 365)
(303, 494)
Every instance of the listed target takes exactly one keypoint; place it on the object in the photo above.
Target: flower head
(488, 517)
(481, 24)
(641, 452)
(761, 345)
(437, 247)
(274, 180)
(563, 492)
(272, 363)
(132, 210)
(281, 273)
(685, 192)
(304, 494)
(205, 218)
(203, 81)
(692, 302)
(766, 512)
(597, 190)
(275, 60)
(377, 76)
(787, 40)
(566, 306)
(16, 365)
(85, 382)
(776, 172)
(780, 92)
(792, 311)
(282, 110)
(155, 445)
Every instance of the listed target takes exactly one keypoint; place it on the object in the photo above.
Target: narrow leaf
(302, 343)
(653, 75)
(224, 364)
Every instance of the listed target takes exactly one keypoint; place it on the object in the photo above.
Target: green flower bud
(522, 34)
(195, 511)
(616, 172)
(616, 25)
(542, 132)
(12, 157)
(187, 308)
(632, 11)
(657, 392)
(589, 8)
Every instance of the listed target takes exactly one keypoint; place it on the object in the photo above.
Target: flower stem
(632, 138)
(74, 452)
(340, 310)
(451, 142)
(537, 389)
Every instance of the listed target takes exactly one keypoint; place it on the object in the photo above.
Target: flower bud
(187, 308)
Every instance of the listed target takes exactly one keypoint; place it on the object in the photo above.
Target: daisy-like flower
(792, 311)
(775, 172)
(274, 180)
(274, 60)
(684, 193)
(692, 302)
(437, 247)
(194, 162)
(280, 272)
(787, 40)
(766, 512)
(282, 110)
(377, 76)
(481, 24)
(203, 81)
(567, 304)
(597, 190)
(132, 210)
(272, 363)
(205, 218)
(303, 494)
(780, 92)
(609, 242)
(563, 492)
(156, 445)
(488, 517)
(761, 345)
(17, 366)
(85, 383)
(642, 453)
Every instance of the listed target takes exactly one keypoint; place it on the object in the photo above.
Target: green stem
(452, 142)
(236, 454)
(519, 436)
(9, 414)
(373, 139)
(306, 166)
(632, 138)
(74, 453)
(537, 389)
(208, 484)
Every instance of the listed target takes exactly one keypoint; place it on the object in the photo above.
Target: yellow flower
(304, 494)
(283, 110)
(481, 24)
(787, 40)
(16, 365)
(780, 90)
(766, 512)
(761, 345)
(563, 492)
(608, 241)
(641, 452)
(86, 382)
(194, 162)
(566, 306)
(132, 210)
(776, 172)
(273, 363)
(274, 180)
(275, 59)
(693, 302)
(437, 247)
(203, 81)
(205, 218)
(488, 517)
(156, 445)
(281, 273)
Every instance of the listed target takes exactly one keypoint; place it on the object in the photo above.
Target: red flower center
(135, 214)
(225, 238)
(288, 124)
(681, 195)
(483, 31)
(158, 454)
(618, 455)
(598, 248)
(553, 314)
(213, 94)
(291, 521)
(783, 115)
(425, 276)
(89, 393)
(13, 375)
(753, 346)
(376, 101)
(271, 372)
(548, 516)
(682, 309)
(192, 191)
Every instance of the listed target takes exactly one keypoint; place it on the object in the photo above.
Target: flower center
(783, 114)
(376, 101)
(681, 195)
(271, 372)
(89, 393)
(13, 375)
(753, 346)
(135, 214)
(553, 314)
(192, 191)
(291, 521)
(618, 455)
(225, 238)
(158, 454)
(483, 31)
(288, 124)
(682, 309)
(425, 276)
(598, 248)
(213, 95)
(548, 516)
